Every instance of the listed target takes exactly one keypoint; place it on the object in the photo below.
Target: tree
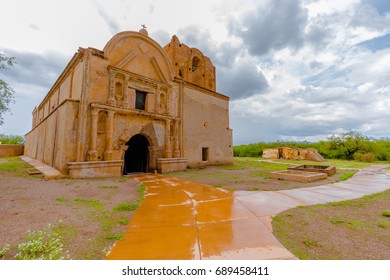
(6, 92)
(344, 146)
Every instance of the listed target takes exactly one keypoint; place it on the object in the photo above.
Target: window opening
(205, 154)
(140, 100)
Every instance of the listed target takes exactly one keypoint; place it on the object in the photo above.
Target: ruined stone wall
(191, 65)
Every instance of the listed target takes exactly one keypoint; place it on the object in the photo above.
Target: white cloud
(298, 70)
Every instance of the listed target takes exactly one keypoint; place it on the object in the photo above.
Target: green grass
(383, 224)
(4, 250)
(60, 199)
(18, 167)
(108, 187)
(365, 200)
(346, 175)
(338, 163)
(310, 243)
(46, 244)
(386, 214)
(98, 205)
(118, 236)
(126, 207)
(123, 221)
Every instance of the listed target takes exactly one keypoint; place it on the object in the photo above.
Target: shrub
(4, 251)
(11, 139)
(367, 157)
(41, 245)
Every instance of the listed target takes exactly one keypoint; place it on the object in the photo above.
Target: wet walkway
(185, 220)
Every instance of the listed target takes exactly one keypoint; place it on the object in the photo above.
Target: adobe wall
(8, 150)
(53, 141)
(206, 120)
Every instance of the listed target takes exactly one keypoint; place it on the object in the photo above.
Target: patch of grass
(218, 185)
(346, 175)
(118, 236)
(106, 228)
(354, 224)
(108, 187)
(123, 221)
(60, 199)
(356, 202)
(141, 192)
(126, 207)
(383, 224)
(18, 167)
(76, 187)
(337, 221)
(310, 243)
(122, 179)
(386, 213)
(4, 250)
(98, 205)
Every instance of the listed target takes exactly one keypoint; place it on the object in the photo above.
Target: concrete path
(185, 220)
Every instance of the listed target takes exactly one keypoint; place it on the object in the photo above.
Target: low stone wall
(297, 176)
(92, 169)
(165, 165)
(329, 170)
(8, 150)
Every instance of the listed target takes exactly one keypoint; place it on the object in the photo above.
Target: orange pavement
(185, 220)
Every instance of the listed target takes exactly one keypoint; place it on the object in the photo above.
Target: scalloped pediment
(136, 53)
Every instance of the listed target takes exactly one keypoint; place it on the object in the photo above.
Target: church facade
(133, 107)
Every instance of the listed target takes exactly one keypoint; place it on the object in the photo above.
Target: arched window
(195, 63)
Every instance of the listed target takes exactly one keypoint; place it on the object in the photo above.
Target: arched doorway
(137, 155)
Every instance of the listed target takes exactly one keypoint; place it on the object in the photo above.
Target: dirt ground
(356, 229)
(86, 212)
(251, 178)
(85, 207)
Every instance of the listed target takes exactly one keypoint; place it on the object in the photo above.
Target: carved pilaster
(126, 93)
(111, 94)
(168, 150)
(92, 152)
(109, 135)
(176, 149)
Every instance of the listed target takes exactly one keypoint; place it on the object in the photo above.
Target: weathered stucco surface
(121, 109)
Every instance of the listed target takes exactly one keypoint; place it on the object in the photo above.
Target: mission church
(133, 107)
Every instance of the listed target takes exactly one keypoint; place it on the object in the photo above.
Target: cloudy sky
(293, 69)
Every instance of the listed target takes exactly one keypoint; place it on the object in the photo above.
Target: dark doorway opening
(137, 155)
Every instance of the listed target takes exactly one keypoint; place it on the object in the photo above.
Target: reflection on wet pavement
(185, 220)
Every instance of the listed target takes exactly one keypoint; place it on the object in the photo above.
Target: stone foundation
(165, 165)
(91, 169)
(329, 170)
(297, 176)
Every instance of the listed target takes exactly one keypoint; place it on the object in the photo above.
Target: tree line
(350, 145)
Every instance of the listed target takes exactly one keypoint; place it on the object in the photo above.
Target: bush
(11, 139)
(367, 157)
